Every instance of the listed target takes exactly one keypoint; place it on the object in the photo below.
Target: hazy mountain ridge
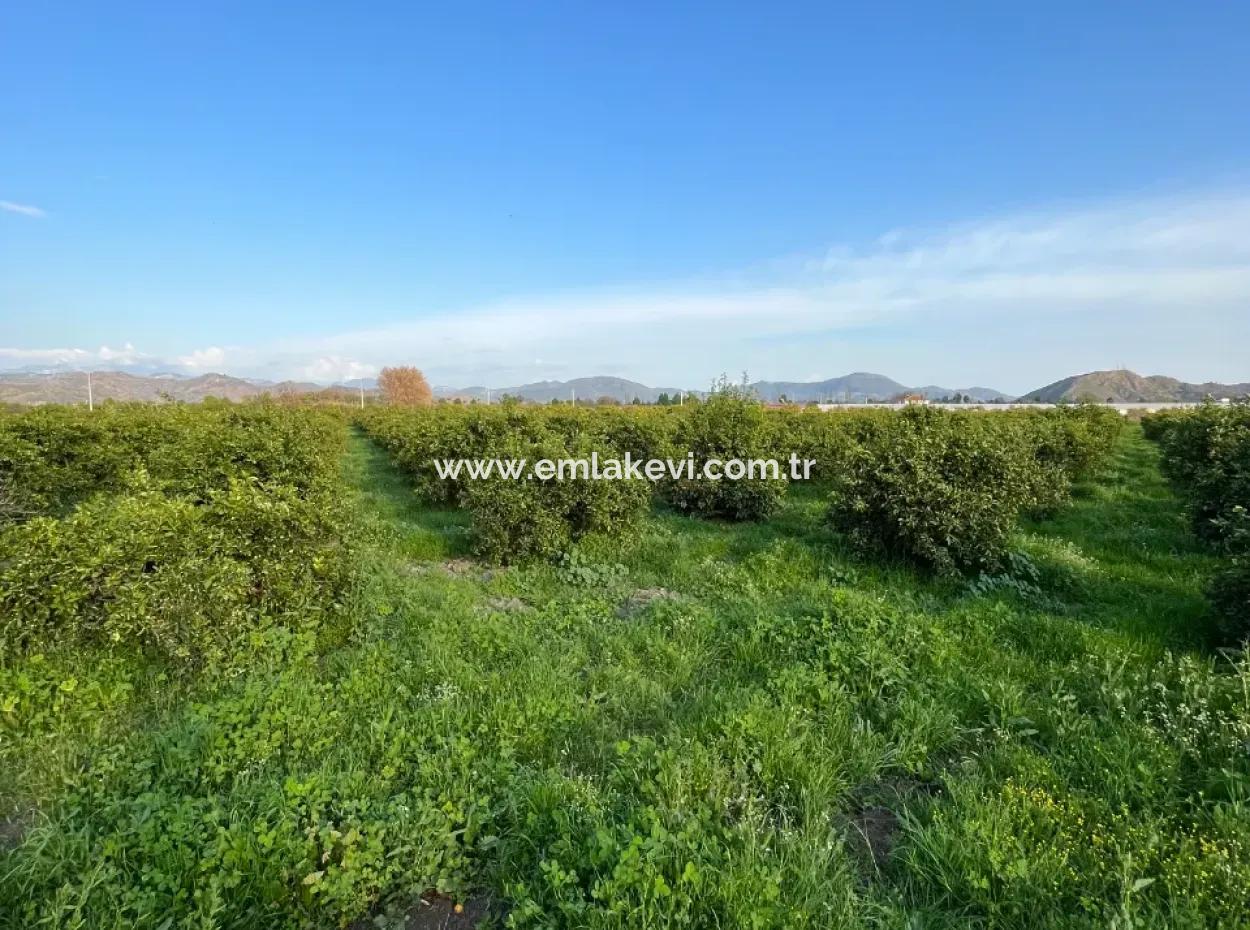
(583, 389)
(28, 387)
(71, 387)
(861, 386)
(1124, 386)
(854, 388)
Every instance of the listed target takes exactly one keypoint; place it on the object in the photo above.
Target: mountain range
(861, 386)
(27, 387)
(1121, 385)
(586, 389)
(70, 387)
(853, 388)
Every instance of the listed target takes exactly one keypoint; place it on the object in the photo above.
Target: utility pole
(362, 393)
(573, 395)
(680, 398)
(488, 397)
(90, 397)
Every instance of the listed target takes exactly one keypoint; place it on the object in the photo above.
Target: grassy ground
(713, 725)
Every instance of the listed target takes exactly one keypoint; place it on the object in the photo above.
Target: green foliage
(1206, 454)
(518, 519)
(731, 424)
(1230, 588)
(173, 530)
(714, 761)
(1156, 425)
(941, 489)
(1077, 439)
(824, 437)
(53, 457)
(184, 579)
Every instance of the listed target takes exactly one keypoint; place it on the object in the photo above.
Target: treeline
(937, 488)
(173, 529)
(1206, 456)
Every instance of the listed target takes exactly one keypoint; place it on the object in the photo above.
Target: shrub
(1155, 426)
(1206, 455)
(53, 457)
(731, 424)
(645, 433)
(1078, 439)
(518, 519)
(1229, 590)
(825, 437)
(940, 489)
(171, 576)
(415, 439)
(176, 529)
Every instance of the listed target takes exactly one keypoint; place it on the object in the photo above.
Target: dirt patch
(13, 827)
(456, 568)
(506, 605)
(874, 831)
(905, 786)
(874, 827)
(434, 911)
(467, 568)
(643, 598)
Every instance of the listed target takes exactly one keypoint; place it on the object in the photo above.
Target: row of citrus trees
(940, 489)
(175, 529)
(1206, 455)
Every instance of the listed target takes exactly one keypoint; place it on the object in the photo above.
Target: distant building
(912, 399)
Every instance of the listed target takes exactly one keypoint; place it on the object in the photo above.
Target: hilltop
(1122, 385)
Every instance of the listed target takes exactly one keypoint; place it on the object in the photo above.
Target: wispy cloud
(103, 356)
(1160, 284)
(1111, 281)
(24, 209)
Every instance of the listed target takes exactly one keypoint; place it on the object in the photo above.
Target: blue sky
(952, 193)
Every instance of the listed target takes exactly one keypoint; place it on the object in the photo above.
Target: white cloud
(1159, 284)
(105, 356)
(126, 355)
(214, 357)
(1144, 263)
(334, 368)
(23, 209)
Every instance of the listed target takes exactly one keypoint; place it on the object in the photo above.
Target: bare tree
(405, 386)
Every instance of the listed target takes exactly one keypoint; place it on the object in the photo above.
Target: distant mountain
(30, 387)
(981, 395)
(858, 387)
(855, 387)
(1121, 386)
(583, 389)
(70, 387)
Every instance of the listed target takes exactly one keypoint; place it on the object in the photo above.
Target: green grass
(1057, 753)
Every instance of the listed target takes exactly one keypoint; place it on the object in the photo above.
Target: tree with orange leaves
(405, 386)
